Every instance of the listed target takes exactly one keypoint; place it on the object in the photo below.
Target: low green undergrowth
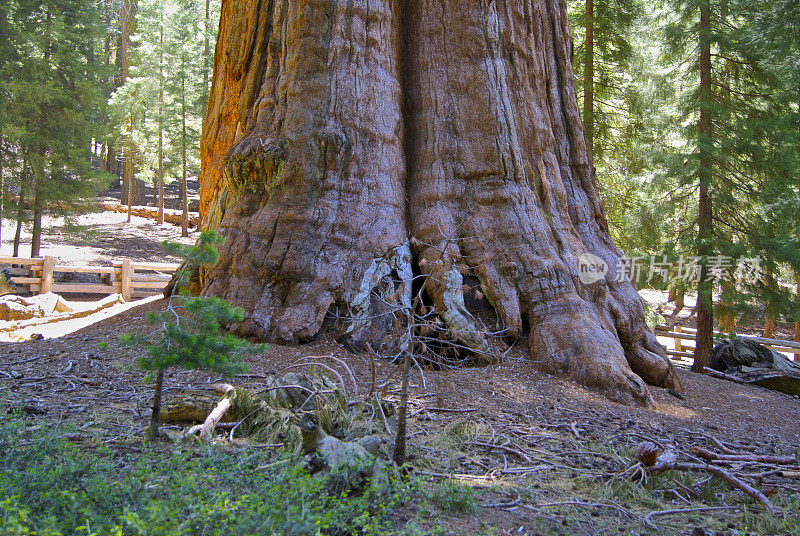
(452, 496)
(49, 486)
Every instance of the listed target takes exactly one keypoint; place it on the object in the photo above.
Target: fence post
(47, 274)
(125, 276)
(678, 342)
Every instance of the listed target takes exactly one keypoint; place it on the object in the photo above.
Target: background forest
(691, 109)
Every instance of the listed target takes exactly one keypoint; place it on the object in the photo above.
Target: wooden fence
(129, 278)
(681, 334)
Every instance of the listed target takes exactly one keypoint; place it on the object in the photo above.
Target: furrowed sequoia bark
(352, 143)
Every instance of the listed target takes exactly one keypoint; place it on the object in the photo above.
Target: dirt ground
(97, 238)
(540, 452)
(569, 434)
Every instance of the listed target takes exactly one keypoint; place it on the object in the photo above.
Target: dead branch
(235, 426)
(504, 448)
(444, 410)
(713, 456)
(648, 519)
(722, 375)
(207, 429)
(735, 481)
(504, 505)
(725, 448)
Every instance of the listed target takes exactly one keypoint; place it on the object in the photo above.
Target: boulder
(754, 363)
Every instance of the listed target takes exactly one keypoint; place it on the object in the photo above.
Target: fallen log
(105, 303)
(172, 216)
(213, 418)
(189, 406)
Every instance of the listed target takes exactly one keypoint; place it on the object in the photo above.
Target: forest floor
(500, 449)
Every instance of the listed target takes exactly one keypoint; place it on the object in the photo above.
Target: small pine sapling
(192, 335)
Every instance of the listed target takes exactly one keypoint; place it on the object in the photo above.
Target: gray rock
(755, 363)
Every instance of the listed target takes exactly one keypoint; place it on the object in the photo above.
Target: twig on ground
(460, 476)
(686, 488)
(573, 426)
(725, 448)
(383, 415)
(235, 426)
(648, 519)
(23, 361)
(584, 504)
(207, 428)
(504, 448)
(443, 410)
(504, 505)
(713, 456)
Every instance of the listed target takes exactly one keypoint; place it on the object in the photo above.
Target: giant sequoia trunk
(350, 144)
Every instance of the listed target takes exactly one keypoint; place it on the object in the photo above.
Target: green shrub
(49, 487)
(192, 328)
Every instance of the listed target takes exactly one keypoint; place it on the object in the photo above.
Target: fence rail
(680, 334)
(130, 278)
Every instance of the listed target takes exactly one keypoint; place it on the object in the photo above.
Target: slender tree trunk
(103, 156)
(727, 318)
(769, 323)
(133, 189)
(2, 187)
(41, 166)
(184, 187)
(680, 299)
(770, 313)
(23, 194)
(705, 248)
(38, 210)
(128, 180)
(109, 162)
(588, 77)
(399, 456)
(344, 149)
(797, 322)
(161, 123)
(152, 432)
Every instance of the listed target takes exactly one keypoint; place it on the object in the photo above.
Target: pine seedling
(193, 332)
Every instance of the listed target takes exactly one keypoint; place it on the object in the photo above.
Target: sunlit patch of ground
(97, 238)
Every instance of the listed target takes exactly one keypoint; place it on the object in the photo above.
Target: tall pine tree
(726, 159)
(50, 84)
